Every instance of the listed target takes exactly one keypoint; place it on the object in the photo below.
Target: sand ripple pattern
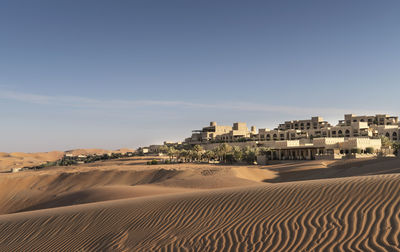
(347, 214)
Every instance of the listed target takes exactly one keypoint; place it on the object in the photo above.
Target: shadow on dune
(102, 193)
(72, 188)
(340, 169)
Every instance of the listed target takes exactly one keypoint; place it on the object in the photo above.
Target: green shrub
(229, 158)
(369, 150)
(154, 162)
(396, 147)
(356, 151)
(148, 162)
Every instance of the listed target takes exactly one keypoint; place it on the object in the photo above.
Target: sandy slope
(188, 207)
(358, 213)
(61, 186)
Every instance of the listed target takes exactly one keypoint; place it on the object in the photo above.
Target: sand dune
(36, 190)
(59, 186)
(20, 159)
(123, 205)
(347, 214)
(309, 170)
(103, 193)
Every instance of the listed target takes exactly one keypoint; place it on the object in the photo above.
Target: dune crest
(254, 173)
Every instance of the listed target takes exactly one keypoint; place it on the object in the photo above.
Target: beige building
(352, 126)
(221, 133)
(307, 139)
(320, 148)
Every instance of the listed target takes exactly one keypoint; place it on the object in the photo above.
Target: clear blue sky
(110, 74)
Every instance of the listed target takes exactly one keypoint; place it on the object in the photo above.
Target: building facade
(307, 139)
(352, 126)
(220, 133)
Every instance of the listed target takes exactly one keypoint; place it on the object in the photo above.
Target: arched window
(347, 132)
(268, 137)
(340, 132)
(275, 137)
(387, 134)
(394, 136)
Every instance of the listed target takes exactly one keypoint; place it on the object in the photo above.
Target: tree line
(74, 160)
(223, 153)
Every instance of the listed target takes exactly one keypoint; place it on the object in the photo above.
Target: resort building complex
(306, 139)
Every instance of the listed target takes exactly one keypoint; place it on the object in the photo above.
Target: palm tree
(222, 150)
(237, 153)
(250, 154)
(172, 152)
(197, 152)
(208, 155)
(182, 155)
(163, 149)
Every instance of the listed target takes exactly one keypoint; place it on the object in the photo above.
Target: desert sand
(125, 205)
(20, 159)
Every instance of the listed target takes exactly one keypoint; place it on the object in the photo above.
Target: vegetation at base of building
(369, 150)
(223, 153)
(152, 162)
(386, 143)
(356, 151)
(396, 147)
(228, 154)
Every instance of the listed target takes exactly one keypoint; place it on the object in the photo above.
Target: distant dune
(20, 159)
(191, 207)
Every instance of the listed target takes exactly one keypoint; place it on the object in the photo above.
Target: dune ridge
(345, 214)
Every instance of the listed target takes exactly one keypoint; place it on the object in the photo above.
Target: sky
(113, 74)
